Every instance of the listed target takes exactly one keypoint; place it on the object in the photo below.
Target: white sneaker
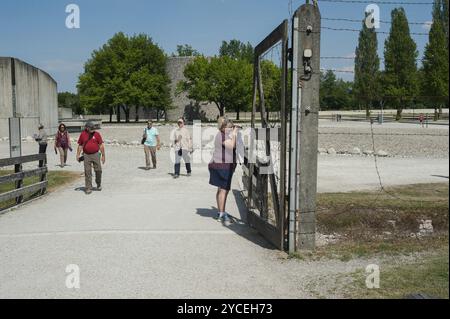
(226, 220)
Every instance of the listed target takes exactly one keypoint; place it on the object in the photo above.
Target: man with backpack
(152, 143)
(91, 145)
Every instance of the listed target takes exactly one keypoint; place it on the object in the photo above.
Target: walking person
(91, 145)
(42, 139)
(62, 144)
(421, 120)
(223, 164)
(182, 143)
(152, 143)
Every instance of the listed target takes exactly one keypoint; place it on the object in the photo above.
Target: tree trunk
(237, 115)
(126, 110)
(136, 118)
(157, 115)
(399, 113)
(118, 114)
(368, 108)
(110, 114)
(221, 109)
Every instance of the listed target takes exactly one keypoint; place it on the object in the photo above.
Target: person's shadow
(239, 223)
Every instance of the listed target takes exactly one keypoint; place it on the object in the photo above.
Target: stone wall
(36, 97)
(183, 106)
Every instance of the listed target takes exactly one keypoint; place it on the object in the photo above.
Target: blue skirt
(221, 177)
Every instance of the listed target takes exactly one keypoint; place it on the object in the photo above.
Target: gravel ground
(148, 236)
(399, 140)
(396, 139)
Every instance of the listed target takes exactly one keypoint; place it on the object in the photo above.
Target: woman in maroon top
(222, 166)
(62, 144)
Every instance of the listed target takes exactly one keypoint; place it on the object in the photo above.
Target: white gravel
(147, 236)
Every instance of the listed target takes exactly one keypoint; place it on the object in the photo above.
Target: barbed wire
(378, 2)
(350, 58)
(336, 70)
(381, 21)
(382, 134)
(378, 32)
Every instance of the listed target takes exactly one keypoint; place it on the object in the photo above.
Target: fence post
(307, 54)
(19, 183)
(44, 176)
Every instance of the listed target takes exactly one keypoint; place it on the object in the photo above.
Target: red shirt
(91, 146)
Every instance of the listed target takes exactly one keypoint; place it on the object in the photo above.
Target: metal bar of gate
(296, 98)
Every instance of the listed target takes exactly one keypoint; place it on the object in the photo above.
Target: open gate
(280, 182)
(264, 182)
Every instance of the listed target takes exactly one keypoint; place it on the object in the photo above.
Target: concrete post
(308, 56)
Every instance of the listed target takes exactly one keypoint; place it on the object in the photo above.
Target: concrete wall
(65, 113)
(183, 106)
(36, 97)
(5, 95)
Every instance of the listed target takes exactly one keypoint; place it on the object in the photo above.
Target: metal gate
(266, 196)
(281, 183)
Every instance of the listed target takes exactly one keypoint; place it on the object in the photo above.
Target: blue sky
(35, 31)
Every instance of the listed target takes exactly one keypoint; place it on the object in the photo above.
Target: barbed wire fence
(382, 188)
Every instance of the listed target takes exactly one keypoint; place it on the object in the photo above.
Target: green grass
(360, 213)
(374, 223)
(347, 250)
(55, 180)
(427, 276)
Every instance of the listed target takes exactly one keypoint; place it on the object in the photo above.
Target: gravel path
(148, 236)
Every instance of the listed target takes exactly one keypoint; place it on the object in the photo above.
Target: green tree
(71, 101)
(126, 72)
(435, 62)
(367, 68)
(237, 50)
(186, 50)
(445, 13)
(400, 54)
(220, 80)
(271, 80)
(335, 94)
(440, 13)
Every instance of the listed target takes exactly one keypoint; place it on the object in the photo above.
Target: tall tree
(400, 55)
(435, 61)
(440, 13)
(126, 72)
(335, 94)
(237, 50)
(186, 50)
(367, 69)
(220, 80)
(445, 13)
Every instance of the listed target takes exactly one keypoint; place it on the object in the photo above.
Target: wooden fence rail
(18, 193)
